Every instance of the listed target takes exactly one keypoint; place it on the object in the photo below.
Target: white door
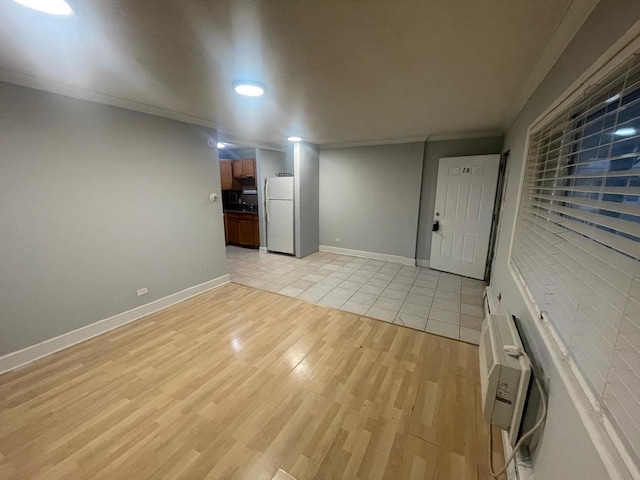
(465, 194)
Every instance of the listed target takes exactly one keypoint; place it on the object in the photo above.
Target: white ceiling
(336, 71)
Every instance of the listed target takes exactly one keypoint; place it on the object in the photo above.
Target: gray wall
(566, 451)
(97, 202)
(369, 197)
(434, 152)
(268, 164)
(307, 215)
(288, 157)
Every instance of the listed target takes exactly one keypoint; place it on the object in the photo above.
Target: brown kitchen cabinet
(244, 168)
(256, 232)
(246, 230)
(242, 229)
(249, 167)
(226, 175)
(231, 229)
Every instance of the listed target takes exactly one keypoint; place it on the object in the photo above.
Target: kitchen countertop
(250, 212)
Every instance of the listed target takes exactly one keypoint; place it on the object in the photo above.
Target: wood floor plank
(243, 383)
(418, 460)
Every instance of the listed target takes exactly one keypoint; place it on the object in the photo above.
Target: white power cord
(516, 352)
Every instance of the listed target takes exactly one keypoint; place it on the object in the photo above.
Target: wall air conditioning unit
(505, 374)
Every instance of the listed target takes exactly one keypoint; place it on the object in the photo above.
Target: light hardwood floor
(243, 383)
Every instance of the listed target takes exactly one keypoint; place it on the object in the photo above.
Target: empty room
(337, 239)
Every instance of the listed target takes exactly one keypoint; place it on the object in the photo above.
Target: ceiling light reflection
(236, 344)
(615, 98)
(625, 132)
(53, 7)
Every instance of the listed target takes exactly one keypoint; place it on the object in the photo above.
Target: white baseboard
(26, 355)
(372, 255)
(422, 263)
(262, 250)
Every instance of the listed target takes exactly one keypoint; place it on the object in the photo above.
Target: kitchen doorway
(239, 185)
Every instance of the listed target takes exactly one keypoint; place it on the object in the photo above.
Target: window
(577, 240)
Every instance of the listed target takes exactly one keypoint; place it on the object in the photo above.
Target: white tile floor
(416, 297)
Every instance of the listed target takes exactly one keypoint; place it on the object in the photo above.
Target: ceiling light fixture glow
(53, 7)
(221, 145)
(625, 132)
(249, 89)
(294, 138)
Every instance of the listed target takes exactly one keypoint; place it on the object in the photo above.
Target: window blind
(577, 239)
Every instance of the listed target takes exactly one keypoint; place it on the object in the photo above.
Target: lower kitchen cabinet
(231, 229)
(256, 232)
(245, 226)
(242, 229)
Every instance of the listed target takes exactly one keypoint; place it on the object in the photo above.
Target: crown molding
(59, 88)
(371, 143)
(239, 141)
(574, 16)
(424, 138)
(79, 93)
(618, 53)
(463, 136)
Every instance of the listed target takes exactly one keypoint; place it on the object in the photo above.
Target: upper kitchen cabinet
(244, 168)
(249, 167)
(226, 175)
(238, 174)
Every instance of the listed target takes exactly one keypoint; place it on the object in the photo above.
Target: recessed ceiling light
(294, 138)
(625, 132)
(54, 7)
(249, 89)
(221, 145)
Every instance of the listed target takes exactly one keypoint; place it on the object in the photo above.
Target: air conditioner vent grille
(504, 379)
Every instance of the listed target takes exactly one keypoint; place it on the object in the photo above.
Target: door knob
(436, 226)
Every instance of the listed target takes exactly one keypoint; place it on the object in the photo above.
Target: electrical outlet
(142, 291)
(337, 240)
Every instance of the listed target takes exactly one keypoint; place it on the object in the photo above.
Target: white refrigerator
(279, 209)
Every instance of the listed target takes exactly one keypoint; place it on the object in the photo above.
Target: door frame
(481, 274)
(498, 207)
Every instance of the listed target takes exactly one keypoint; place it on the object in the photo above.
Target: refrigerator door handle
(268, 210)
(266, 189)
